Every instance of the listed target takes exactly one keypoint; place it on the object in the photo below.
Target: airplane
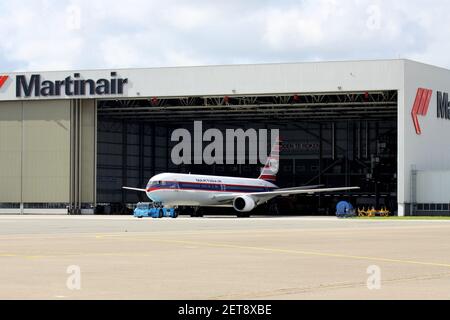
(174, 190)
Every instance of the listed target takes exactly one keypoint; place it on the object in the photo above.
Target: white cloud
(50, 35)
(186, 18)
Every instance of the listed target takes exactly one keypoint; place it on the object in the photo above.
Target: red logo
(421, 105)
(3, 80)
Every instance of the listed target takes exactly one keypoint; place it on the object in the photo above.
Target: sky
(49, 35)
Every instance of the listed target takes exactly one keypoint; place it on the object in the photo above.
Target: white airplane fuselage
(173, 189)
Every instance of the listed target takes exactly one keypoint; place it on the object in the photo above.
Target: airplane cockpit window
(164, 184)
(169, 184)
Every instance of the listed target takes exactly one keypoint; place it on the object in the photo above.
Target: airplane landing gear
(197, 212)
(243, 215)
(273, 208)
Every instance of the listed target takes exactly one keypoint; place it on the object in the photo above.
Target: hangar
(69, 140)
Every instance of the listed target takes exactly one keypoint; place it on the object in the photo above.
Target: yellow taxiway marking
(313, 253)
(151, 236)
(288, 251)
(8, 255)
(222, 245)
(333, 230)
(261, 232)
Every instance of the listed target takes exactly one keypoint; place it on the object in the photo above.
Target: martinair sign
(443, 105)
(74, 85)
(422, 104)
(3, 79)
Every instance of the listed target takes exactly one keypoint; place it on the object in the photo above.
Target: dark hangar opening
(333, 139)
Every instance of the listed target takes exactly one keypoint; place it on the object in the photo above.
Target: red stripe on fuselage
(199, 190)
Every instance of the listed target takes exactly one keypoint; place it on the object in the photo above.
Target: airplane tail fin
(270, 170)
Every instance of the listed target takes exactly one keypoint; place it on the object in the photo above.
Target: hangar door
(336, 139)
(47, 156)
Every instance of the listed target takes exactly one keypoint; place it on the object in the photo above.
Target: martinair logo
(421, 106)
(3, 79)
(36, 85)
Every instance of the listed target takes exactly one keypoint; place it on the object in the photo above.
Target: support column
(153, 149)
(320, 161)
(141, 154)
(333, 141)
(124, 159)
(72, 159)
(413, 196)
(95, 153)
(80, 154)
(167, 148)
(402, 210)
(75, 157)
(141, 159)
(347, 155)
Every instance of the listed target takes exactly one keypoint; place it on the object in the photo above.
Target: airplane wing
(279, 192)
(134, 189)
(284, 192)
(301, 188)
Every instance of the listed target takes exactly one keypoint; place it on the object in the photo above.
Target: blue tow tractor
(152, 210)
(345, 209)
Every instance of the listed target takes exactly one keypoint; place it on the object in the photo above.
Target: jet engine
(244, 204)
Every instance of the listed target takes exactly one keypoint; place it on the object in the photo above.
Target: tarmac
(100, 257)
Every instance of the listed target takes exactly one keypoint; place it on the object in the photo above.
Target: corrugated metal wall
(35, 153)
(10, 152)
(433, 187)
(88, 143)
(46, 151)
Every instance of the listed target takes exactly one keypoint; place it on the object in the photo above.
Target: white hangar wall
(433, 187)
(429, 151)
